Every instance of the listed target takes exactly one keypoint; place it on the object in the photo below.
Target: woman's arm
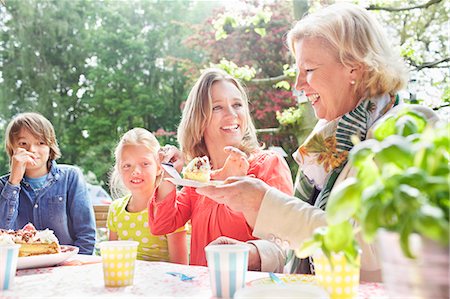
(178, 247)
(112, 236)
(171, 213)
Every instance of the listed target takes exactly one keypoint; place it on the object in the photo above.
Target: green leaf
(363, 151)
(338, 236)
(344, 201)
(406, 126)
(395, 150)
(384, 129)
(283, 84)
(307, 248)
(261, 31)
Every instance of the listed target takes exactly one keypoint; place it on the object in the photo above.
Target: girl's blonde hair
(136, 136)
(197, 114)
(39, 127)
(357, 38)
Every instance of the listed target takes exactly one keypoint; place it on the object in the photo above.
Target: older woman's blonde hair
(197, 114)
(357, 38)
(136, 136)
(38, 126)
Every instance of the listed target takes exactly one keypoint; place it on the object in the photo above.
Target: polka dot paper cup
(118, 259)
(341, 281)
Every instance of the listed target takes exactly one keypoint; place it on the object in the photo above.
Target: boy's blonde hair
(357, 38)
(136, 136)
(38, 126)
(197, 114)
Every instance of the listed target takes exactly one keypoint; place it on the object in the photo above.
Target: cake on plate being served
(32, 241)
(198, 169)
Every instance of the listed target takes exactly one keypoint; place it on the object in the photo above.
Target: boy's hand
(20, 160)
(235, 165)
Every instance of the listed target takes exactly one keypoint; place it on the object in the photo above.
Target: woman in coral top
(216, 123)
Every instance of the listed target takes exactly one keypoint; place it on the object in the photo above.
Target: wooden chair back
(101, 215)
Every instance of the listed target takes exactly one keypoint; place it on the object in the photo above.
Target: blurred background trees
(99, 68)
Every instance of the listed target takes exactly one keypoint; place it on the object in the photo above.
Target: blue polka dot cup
(340, 281)
(118, 258)
(9, 254)
(227, 264)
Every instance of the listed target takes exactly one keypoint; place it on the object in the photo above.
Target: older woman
(216, 123)
(349, 73)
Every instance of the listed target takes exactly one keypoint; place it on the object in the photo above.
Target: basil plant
(401, 185)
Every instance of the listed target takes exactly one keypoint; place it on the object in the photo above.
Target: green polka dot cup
(340, 281)
(118, 259)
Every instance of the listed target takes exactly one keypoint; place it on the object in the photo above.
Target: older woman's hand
(254, 259)
(241, 194)
(236, 164)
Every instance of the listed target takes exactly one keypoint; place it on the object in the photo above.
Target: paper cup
(8, 265)
(227, 265)
(118, 259)
(341, 281)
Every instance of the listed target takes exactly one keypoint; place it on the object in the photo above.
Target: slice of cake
(32, 241)
(198, 169)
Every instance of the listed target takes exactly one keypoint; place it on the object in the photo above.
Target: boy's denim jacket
(62, 205)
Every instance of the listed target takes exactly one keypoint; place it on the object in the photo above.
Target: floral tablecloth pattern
(84, 278)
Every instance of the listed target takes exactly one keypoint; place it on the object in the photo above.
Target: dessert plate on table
(285, 286)
(176, 179)
(46, 260)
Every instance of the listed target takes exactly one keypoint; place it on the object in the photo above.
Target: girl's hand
(171, 154)
(20, 160)
(235, 165)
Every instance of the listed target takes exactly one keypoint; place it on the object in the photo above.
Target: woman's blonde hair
(39, 127)
(357, 38)
(197, 114)
(136, 136)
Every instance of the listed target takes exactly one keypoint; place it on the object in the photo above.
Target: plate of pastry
(38, 248)
(47, 260)
(196, 174)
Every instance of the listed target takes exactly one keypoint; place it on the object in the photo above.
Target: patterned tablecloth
(82, 277)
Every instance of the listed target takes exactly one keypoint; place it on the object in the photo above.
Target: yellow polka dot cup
(118, 259)
(340, 281)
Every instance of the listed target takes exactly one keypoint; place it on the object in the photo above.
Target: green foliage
(244, 73)
(298, 121)
(95, 70)
(225, 24)
(402, 183)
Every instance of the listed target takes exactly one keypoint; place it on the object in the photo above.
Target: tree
(95, 69)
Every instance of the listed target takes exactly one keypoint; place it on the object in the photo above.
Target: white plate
(46, 260)
(292, 291)
(176, 179)
(192, 183)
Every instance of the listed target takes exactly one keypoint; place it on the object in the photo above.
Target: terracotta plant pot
(424, 277)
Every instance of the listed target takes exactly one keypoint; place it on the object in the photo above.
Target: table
(82, 276)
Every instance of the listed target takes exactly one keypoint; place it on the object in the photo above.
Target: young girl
(137, 172)
(215, 117)
(41, 192)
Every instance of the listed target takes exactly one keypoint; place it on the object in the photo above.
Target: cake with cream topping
(32, 241)
(198, 169)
